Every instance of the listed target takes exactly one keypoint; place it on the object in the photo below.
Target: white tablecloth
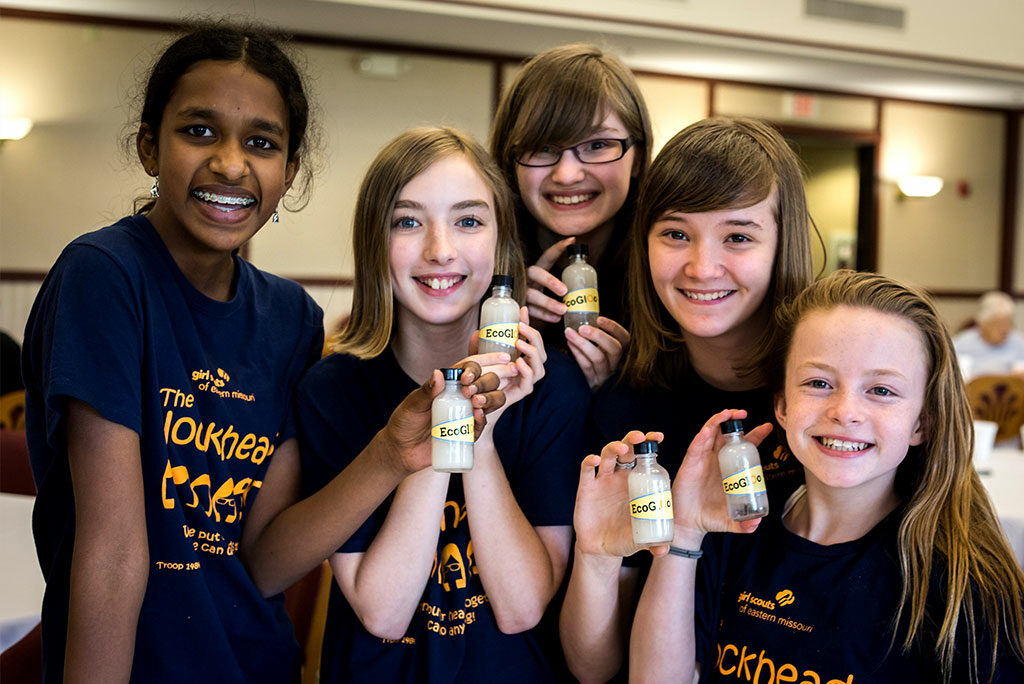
(1003, 477)
(21, 581)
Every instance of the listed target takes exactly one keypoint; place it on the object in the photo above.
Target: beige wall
(832, 191)
(946, 241)
(673, 104)
(1018, 281)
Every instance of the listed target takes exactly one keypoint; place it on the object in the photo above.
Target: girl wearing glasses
(573, 138)
(719, 240)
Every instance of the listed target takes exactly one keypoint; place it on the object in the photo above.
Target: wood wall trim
(1012, 161)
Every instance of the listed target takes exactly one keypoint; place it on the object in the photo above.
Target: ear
(291, 170)
(920, 433)
(780, 409)
(145, 145)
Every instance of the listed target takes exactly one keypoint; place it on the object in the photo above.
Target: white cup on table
(984, 440)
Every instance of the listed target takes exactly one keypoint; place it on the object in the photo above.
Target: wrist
(388, 454)
(597, 563)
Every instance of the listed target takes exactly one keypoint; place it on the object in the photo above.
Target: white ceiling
(975, 57)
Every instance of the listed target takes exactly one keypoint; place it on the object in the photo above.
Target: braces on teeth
(224, 199)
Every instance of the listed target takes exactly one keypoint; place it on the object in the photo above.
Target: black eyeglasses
(597, 151)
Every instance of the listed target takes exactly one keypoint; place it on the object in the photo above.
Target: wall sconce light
(14, 128)
(919, 186)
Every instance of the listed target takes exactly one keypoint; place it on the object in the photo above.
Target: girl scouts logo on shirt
(208, 381)
(501, 333)
(458, 430)
(657, 506)
(583, 300)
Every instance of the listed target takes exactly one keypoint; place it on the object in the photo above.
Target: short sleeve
(552, 444)
(85, 339)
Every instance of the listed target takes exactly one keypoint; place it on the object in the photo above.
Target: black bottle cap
(732, 426)
(452, 373)
(577, 249)
(648, 447)
(502, 281)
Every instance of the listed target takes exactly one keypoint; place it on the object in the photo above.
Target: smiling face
(221, 157)
(712, 270)
(853, 395)
(442, 244)
(573, 198)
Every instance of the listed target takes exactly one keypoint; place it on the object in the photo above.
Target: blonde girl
(446, 580)
(573, 137)
(889, 565)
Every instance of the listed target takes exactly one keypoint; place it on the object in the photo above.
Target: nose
(568, 170)
(702, 261)
(228, 160)
(844, 408)
(439, 247)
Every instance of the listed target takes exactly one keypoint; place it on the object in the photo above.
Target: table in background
(21, 580)
(1003, 479)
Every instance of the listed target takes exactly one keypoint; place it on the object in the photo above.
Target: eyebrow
(873, 372)
(458, 206)
(206, 113)
(738, 223)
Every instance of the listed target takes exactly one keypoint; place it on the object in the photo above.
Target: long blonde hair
(368, 330)
(714, 164)
(947, 509)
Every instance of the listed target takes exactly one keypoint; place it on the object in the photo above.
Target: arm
(662, 646)
(282, 540)
(385, 584)
(594, 622)
(110, 562)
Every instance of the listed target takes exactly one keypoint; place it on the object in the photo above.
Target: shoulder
(282, 294)
(330, 373)
(124, 243)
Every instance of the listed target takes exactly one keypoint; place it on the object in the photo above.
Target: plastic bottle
(742, 478)
(452, 427)
(499, 319)
(650, 498)
(581, 280)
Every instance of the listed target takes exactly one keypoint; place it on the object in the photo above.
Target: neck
(716, 358)
(830, 515)
(211, 272)
(420, 347)
(596, 239)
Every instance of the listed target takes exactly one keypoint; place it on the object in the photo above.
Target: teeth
(706, 296)
(440, 283)
(843, 445)
(223, 199)
(572, 199)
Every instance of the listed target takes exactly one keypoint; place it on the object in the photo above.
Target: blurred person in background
(991, 346)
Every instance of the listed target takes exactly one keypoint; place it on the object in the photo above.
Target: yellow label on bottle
(458, 430)
(657, 506)
(501, 333)
(583, 300)
(745, 482)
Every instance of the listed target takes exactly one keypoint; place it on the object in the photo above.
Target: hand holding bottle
(406, 438)
(699, 501)
(601, 517)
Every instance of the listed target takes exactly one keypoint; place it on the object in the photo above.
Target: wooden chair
(1000, 399)
(306, 603)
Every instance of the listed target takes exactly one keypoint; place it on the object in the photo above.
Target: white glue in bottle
(581, 280)
(650, 498)
(452, 427)
(499, 319)
(742, 478)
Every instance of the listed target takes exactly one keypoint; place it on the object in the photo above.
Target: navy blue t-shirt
(453, 636)
(773, 606)
(207, 385)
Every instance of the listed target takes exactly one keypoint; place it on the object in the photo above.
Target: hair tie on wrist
(685, 553)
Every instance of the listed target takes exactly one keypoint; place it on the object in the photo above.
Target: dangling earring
(155, 190)
(275, 218)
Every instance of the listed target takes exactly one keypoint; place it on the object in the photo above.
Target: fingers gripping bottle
(452, 427)
(650, 498)
(499, 319)
(742, 478)
(581, 280)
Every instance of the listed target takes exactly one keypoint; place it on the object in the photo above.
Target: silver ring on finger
(628, 465)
